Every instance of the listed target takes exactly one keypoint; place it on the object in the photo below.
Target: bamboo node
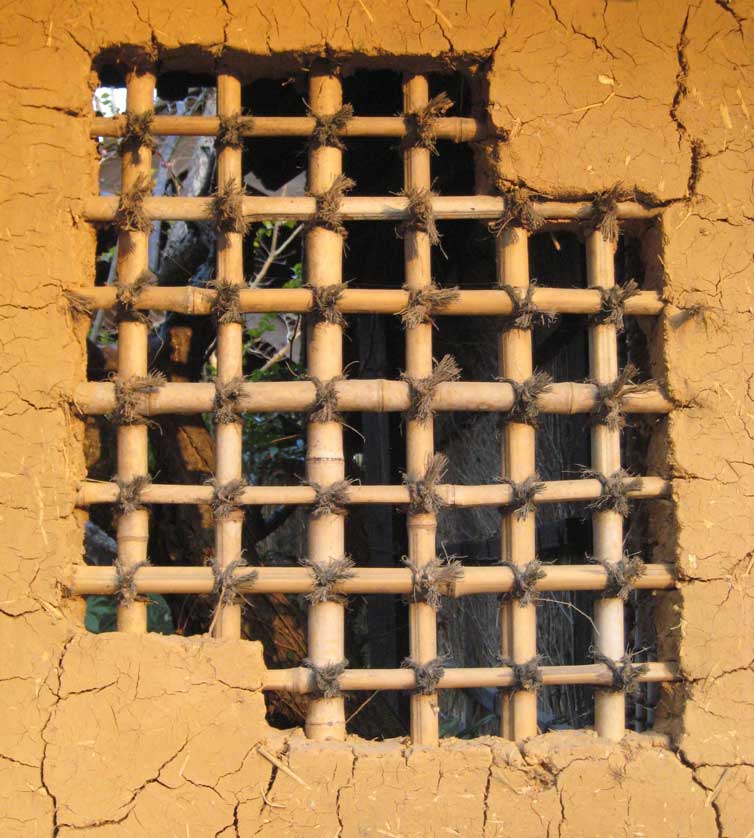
(226, 582)
(129, 493)
(524, 582)
(127, 295)
(327, 212)
(527, 675)
(131, 217)
(423, 497)
(326, 678)
(229, 131)
(128, 397)
(605, 211)
(433, 580)
(137, 134)
(426, 675)
(227, 208)
(625, 673)
(326, 400)
(524, 493)
(615, 489)
(421, 123)
(518, 211)
(525, 312)
(422, 390)
(421, 216)
(225, 497)
(525, 409)
(424, 303)
(608, 409)
(325, 299)
(327, 127)
(326, 576)
(78, 303)
(612, 304)
(225, 407)
(227, 303)
(125, 582)
(621, 575)
(330, 500)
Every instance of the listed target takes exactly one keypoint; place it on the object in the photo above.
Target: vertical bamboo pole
(607, 525)
(133, 442)
(325, 718)
(229, 436)
(419, 435)
(518, 536)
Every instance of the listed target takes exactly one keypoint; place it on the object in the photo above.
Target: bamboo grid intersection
(327, 575)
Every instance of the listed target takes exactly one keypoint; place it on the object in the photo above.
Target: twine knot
(330, 500)
(524, 582)
(128, 395)
(426, 675)
(326, 576)
(421, 123)
(524, 311)
(525, 394)
(424, 303)
(129, 493)
(615, 489)
(125, 582)
(325, 300)
(229, 133)
(605, 211)
(608, 409)
(423, 497)
(225, 406)
(137, 134)
(433, 580)
(225, 497)
(327, 212)
(612, 304)
(524, 493)
(326, 678)
(518, 211)
(131, 217)
(422, 390)
(625, 673)
(621, 575)
(226, 582)
(325, 408)
(327, 127)
(527, 676)
(421, 216)
(127, 295)
(226, 306)
(226, 208)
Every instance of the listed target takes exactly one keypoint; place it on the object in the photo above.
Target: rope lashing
(225, 406)
(327, 212)
(327, 127)
(422, 390)
(433, 580)
(226, 582)
(621, 575)
(522, 502)
(426, 675)
(226, 307)
(226, 208)
(225, 497)
(608, 409)
(524, 311)
(326, 678)
(527, 676)
(519, 210)
(325, 408)
(615, 489)
(129, 493)
(525, 394)
(137, 134)
(131, 217)
(605, 211)
(612, 304)
(423, 497)
(330, 500)
(625, 673)
(524, 582)
(326, 576)
(127, 295)
(425, 303)
(421, 123)
(229, 133)
(325, 300)
(129, 394)
(125, 582)
(421, 216)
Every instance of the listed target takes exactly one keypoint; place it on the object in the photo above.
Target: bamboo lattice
(519, 491)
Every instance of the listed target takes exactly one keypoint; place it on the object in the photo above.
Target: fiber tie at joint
(423, 498)
(226, 208)
(424, 303)
(129, 493)
(621, 575)
(527, 676)
(327, 212)
(433, 580)
(524, 582)
(525, 312)
(326, 576)
(125, 582)
(422, 390)
(137, 134)
(225, 406)
(605, 211)
(330, 500)
(325, 408)
(229, 133)
(519, 210)
(127, 295)
(326, 678)
(78, 303)
(625, 673)
(131, 217)
(225, 497)
(327, 127)
(128, 395)
(608, 409)
(226, 306)
(615, 489)
(226, 582)
(613, 303)
(325, 299)
(421, 216)
(421, 123)
(525, 409)
(426, 675)
(522, 502)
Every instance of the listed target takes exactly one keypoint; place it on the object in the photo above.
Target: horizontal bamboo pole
(360, 208)
(191, 299)
(455, 128)
(299, 680)
(87, 580)
(374, 395)
(494, 494)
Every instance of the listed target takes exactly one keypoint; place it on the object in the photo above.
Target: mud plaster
(118, 736)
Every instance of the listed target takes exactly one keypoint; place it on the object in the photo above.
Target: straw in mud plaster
(525, 394)
(422, 390)
(624, 671)
(427, 675)
(78, 303)
(432, 580)
(524, 582)
(615, 488)
(327, 127)
(421, 123)
(326, 678)
(326, 576)
(621, 575)
(424, 303)
(423, 497)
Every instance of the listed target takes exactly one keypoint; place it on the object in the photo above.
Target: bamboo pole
(457, 129)
(132, 440)
(420, 445)
(518, 535)
(299, 680)
(493, 494)
(607, 525)
(89, 580)
(325, 718)
(191, 299)
(226, 623)
(359, 208)
(369, 395)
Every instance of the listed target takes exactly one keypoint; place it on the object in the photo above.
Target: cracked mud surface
(119, 736)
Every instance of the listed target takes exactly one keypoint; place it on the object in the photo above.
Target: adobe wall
(119, 736)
